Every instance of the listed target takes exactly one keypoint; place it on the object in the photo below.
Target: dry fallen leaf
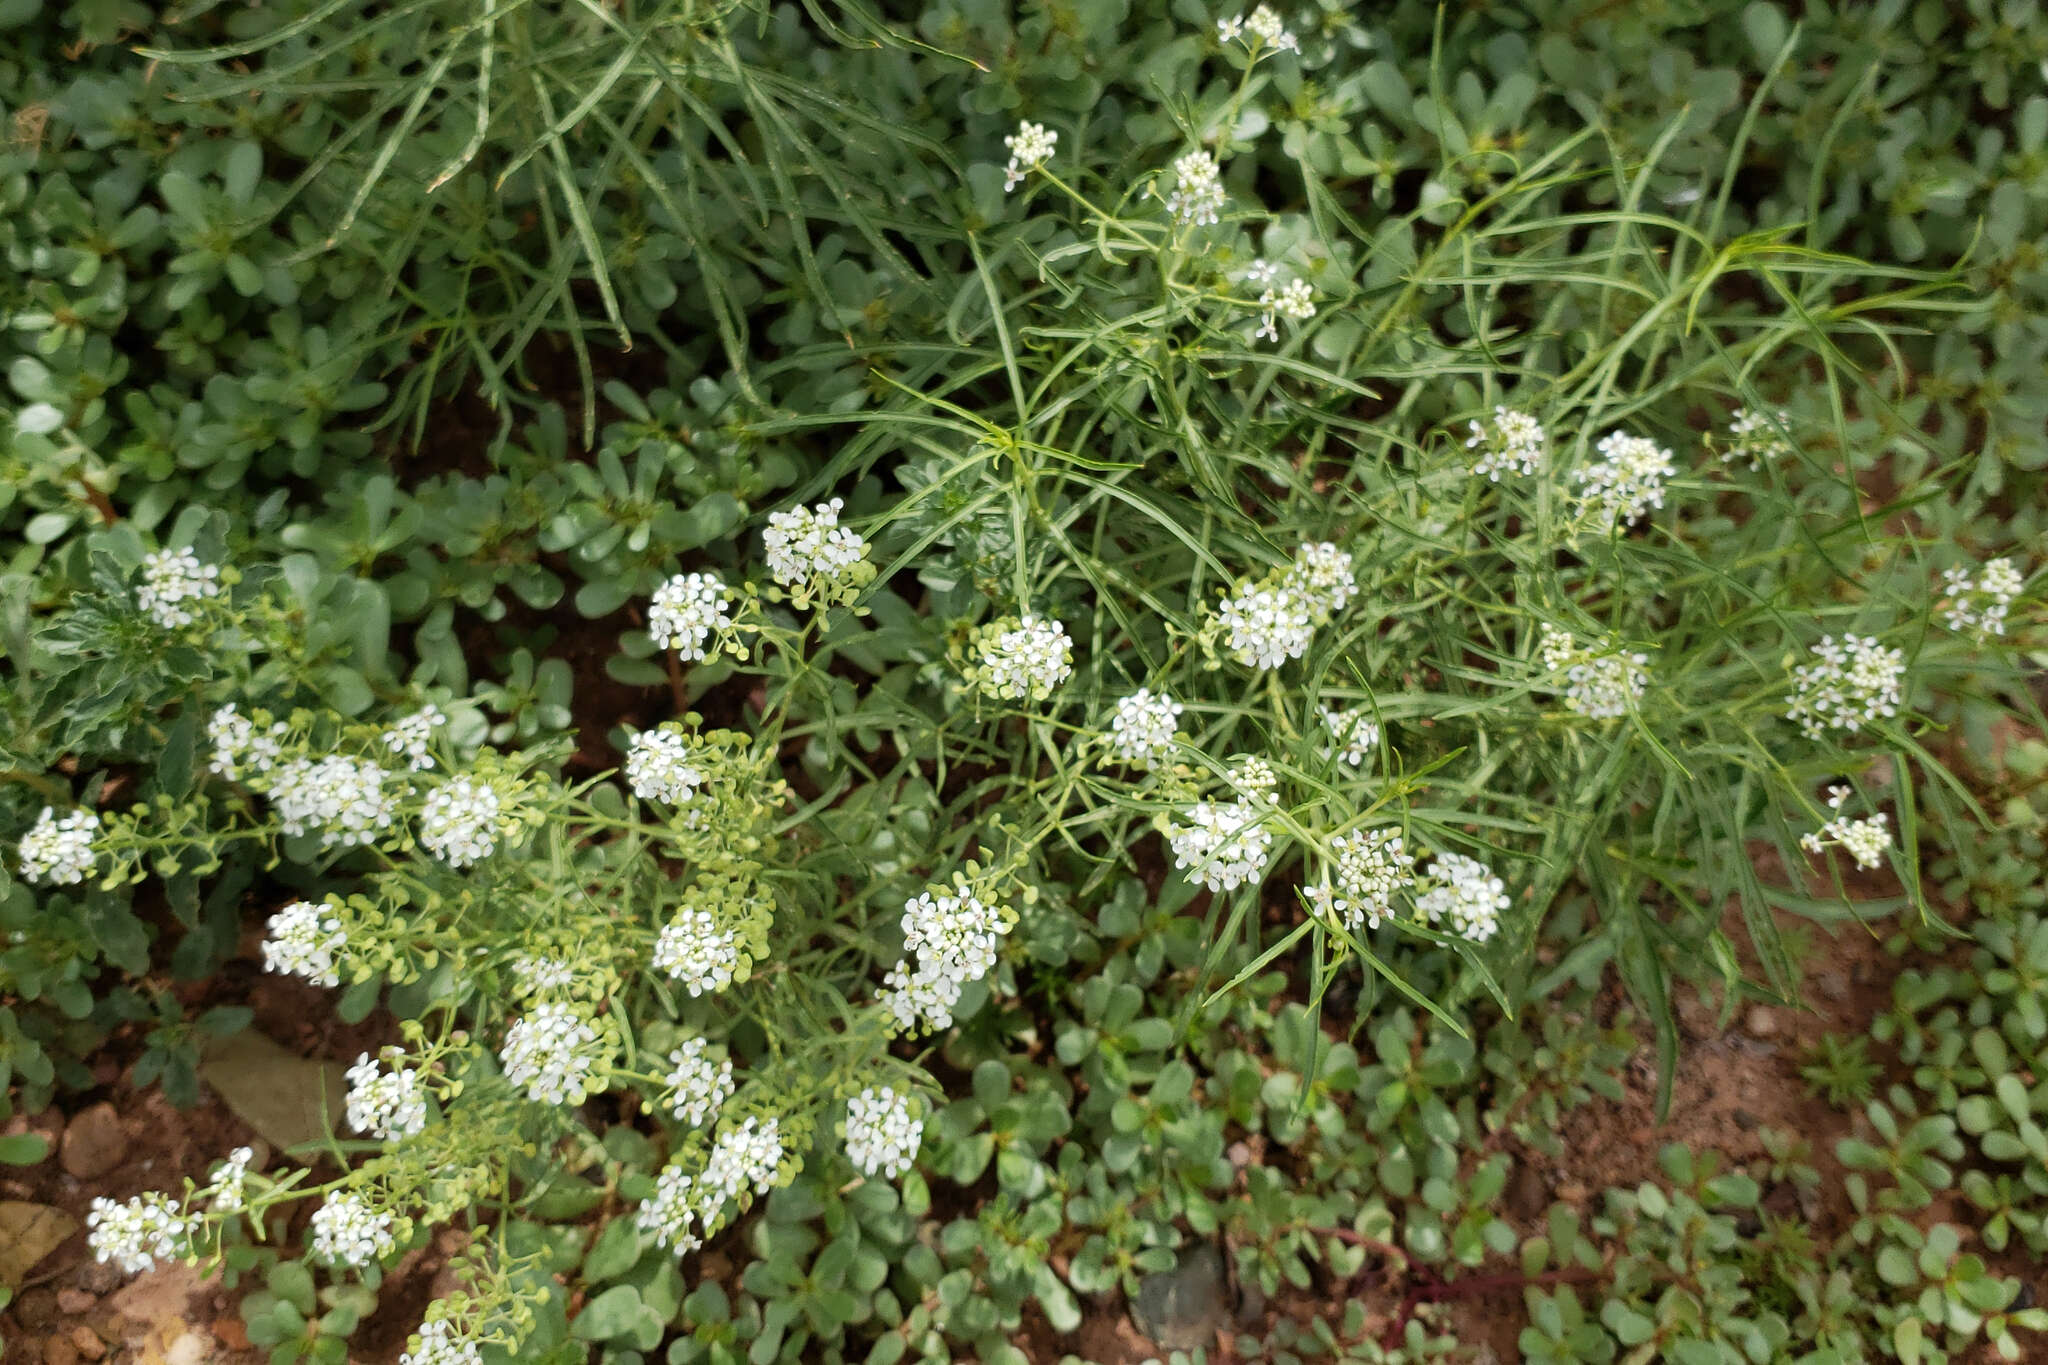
(29, 1232)
(289, 1099)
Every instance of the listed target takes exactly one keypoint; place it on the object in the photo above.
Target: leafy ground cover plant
(1432, 573)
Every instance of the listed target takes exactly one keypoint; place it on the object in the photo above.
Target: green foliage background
(473, 318)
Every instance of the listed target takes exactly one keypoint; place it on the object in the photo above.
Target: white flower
(1030, 659)
(348, 1231)
(1262, 271)
(306, 939)
(57, 851)
(670, 1212)
(919, 998)
(686, 610)
(882, 1135)
(343, 798)
(1353, 735)
(1980, 605)
(1227, 30)
(1465, 891)
(1753, 436)
(1600, 685)
(1221, 844)
(1866, 840)
(810, 549)
(411, 735)
(227, 1194)
(438, 1344)
(1628, 481)
(1296, 301)
(1323, 574)
(1264, 24)
(1145, 727)
(138, 1233)
(696, 952)
(541, 975)
(238, 746)
(744, 1156)
(957, 934)
(659, 767)
(387, 1105)
(459, 822)
(172, 578)
(1847, 686)
(1371, 868)
(1197, 196)
(1031, 146)
(1513, 444)
(700, 1088)
(554, 1055)
(1266, 625)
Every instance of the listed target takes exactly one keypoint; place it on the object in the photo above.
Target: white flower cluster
(344, 798)
(920, 997)
(744, 1156)
(539, 975)
(696, 952)
(348, 1231)
(687, 610)
(669, 1214)
(1145, 727)
(57, 850)
(1848, 685)
(882, 1132)
(1271, 620)
(1029, 659)
(139, 1232)
(1268, 624)
(1197, 196)
(1629, 479)
(459, 822)
(1222, 844)
(1031, 146)
(387, 1105)
(1265, 27)
(554, 1054)
(1600, 685)
(1295, 301)
(958, 933)
(1753, 436)
(955, 937)
(227, 1193)
(660, 767)
(1353, 734)
(170, 580)
(1866, 840)
(1464, 891)
(810, 551)
(438, 1344)
(700, 1088)
(413, 733)
(1980, 603)
(1514, 443)
(306, 939)
(240, 747)
(1372, 866)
